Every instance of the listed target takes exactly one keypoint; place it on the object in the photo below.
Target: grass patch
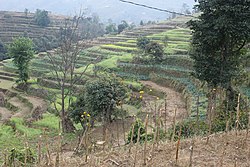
(136, 85)
(98, 49)
(120, 48)
(111, 63)
(8, 139)
(49, 121)
(22, 129)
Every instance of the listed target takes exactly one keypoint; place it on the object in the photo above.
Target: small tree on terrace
(26, 12)
(111, 27)
(21, 50)
(155, 51)
(99, 99)
(142, 42)
(122, 26)
(149, 50)
(42, 18)
(165, 40)
(102, 95)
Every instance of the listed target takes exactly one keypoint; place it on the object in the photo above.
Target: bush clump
(138, 124)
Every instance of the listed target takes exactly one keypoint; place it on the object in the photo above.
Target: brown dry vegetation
(225, 149)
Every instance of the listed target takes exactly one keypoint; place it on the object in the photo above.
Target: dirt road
(174, 100)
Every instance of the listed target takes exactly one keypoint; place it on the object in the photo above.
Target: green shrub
(221, 119)
(142, 42)
(138, 124)
(135, 101)
(190, 127)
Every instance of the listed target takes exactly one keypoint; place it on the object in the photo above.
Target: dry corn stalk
(131, 137)
(197, 109)
(48, 156)
(165, 118)
(154, 139)
(39, 151)
(6, 158)
(118, 135)
(191, 153)
(145, 143)
(26, 151)
(174, 124)
(178, 146)
(86, 144)
(238, 115)
(210, 124)
(158, 133)
(137, 143)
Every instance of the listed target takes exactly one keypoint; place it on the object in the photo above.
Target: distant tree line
(112, 28)
(91, 27)
(88, 28)
(2, 51)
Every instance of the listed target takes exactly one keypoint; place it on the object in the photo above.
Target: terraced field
(15, 24)
(115, 54)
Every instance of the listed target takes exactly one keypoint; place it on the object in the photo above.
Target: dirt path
(36, 101)
(174, 99)
(4, 114)
(23, 108)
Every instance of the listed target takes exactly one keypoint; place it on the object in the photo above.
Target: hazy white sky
(106, 9)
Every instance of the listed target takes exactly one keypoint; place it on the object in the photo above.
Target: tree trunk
(63, 109)
(67, 124)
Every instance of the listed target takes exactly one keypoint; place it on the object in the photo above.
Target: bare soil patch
(24, 110)
(5, 114)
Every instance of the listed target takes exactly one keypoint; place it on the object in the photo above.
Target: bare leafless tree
(63, 62)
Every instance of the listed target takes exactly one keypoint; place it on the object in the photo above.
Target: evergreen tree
(21, 50)
(219, 35)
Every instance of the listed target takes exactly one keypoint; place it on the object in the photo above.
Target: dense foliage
(111, 28)
(135, 127)
(21, 50)
(155, 51)
(222, 122)
(122, 26)
(219, 35)
(149, 51)
(142, 42)
(100, 98)
(2, 51)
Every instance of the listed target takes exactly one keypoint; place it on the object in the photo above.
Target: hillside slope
(15, 24)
